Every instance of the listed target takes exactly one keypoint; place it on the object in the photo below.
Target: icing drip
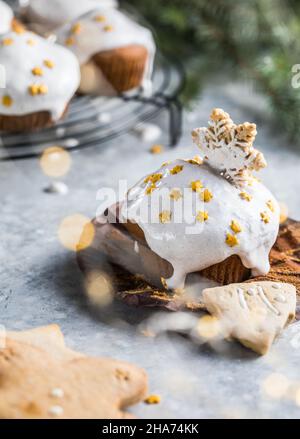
(6, 16)
(106, 29)
(41, 76)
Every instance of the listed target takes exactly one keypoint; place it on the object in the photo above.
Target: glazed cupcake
(41, 78)
(116, 54)
(6, 17)
(44, 16)
(207, 215)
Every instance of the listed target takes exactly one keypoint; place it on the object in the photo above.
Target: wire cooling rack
(91, 121)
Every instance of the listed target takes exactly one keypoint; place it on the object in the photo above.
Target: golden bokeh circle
(208, 327)
(76, 232)
(99, 288)
(275, 385)
(55, 161)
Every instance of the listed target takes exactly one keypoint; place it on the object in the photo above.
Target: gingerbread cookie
(253, 313)
(42, 378)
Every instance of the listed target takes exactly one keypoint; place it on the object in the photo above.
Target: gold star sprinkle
(150, 189)
(245, 196)
(43, 89)
(154, 178)
(175, 194)
(33, 89)
(7, 101)
(206, 196)
(37, 71)
(48, 63)
(70, 42)
(100, 18)
(7, 42)
(108, 28)
(270, 205)
(235, 226)
(176, 169)
(202, 216)
(231, 240)
(18, 28)
(152, 399)
(76, 29)
(165, 216)
(156, 149)
(197, 160)
(196, 186)
(265, 217)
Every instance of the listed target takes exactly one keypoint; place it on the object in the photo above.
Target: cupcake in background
(44, 16)
(116, 54)
(6, 17)
(41, 79)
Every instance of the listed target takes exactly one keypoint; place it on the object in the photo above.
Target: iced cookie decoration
(200, 212)
(41, 378)
(41, 78)
(45, 16)
(116, 54)
(6, 17)
(253, 313)
(228, 148)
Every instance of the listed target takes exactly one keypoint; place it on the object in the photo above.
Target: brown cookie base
(123, 67)
(28, 122)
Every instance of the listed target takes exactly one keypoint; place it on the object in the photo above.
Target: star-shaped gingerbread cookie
(253, 313)
(41, 378)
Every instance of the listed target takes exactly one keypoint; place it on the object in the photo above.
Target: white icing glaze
(6, 16)
(93, 38)
(50, 14)
(19, 58)
(191, 252)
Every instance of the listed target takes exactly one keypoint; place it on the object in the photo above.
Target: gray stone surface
(40, 282)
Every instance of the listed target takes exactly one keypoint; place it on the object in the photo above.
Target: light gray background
(40, 282)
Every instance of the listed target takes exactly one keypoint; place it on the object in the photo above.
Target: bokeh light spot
(208, 327)
(55, 161)
(99, 288)
(76, 232)
(275, 385)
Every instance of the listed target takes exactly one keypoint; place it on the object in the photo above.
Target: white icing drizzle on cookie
(280, 298)
(242, 299)
(266, 301)
(6, 16)
(215, 221)
(106, 29)
(40, 76)
(50, 14)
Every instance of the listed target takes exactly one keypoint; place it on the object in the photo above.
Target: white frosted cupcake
(41, 78)
(120, 51)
